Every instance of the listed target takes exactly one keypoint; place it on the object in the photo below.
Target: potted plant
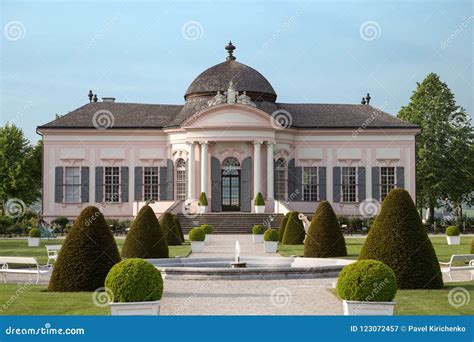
(202, 203)
(34, 237)
(136, 287)
(197, 236)
(452, 235)
(257, 233)
(270, 240)
(259, 204)
(367, 288)
(208, 230)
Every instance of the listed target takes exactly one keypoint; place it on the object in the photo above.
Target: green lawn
(19, 247)
(354, 246)
(434, 302)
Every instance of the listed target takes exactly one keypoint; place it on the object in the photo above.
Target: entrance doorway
(230, 184)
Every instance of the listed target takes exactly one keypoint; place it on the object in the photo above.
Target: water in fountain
(237, 251)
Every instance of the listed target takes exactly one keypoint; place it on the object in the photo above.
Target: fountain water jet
(237, 263)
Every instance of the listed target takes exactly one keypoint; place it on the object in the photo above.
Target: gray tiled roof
(307, 115)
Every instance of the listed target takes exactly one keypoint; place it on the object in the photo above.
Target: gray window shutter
(170, 180)
(163, 182)
(216, 193)
(246, 185)
(322, 183)
(275, 180)
(124, 186)
(400, 177)
(298, 195)
(376, 183)
(361, 183)
(58, 184)
(294, 181)
(138, 183)
(99, 184)
(84, 184)
(336, 184)
(291, 177)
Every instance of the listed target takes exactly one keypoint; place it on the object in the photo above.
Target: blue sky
(53, 52)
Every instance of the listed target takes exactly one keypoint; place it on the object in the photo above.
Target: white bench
(467, 259)
(53, 251)
(37, 269)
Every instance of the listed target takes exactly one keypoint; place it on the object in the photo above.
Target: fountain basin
(256, 268)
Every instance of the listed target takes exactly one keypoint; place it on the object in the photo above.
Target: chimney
(108, 99)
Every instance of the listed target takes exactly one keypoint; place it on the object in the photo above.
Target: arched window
(280, 179)
(230, 163)
(181, 180)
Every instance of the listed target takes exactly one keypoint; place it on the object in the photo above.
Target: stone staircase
(230, 222)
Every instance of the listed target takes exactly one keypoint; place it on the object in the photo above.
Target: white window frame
(151, 183)
(112, 182)
(281, 182)
(385, 188)
(181, 179)
(72, 185)
(312, 195)
(349, 189)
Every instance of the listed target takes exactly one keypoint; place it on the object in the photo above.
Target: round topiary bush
(324, 239)
(259, 199)
(281, 228)
(452, 231)
(397, 239)
(87, 255)
(258, 229)
(134, 280)
(367, 281)
(145, 239)
(202, 202)
(207, 228)
(294, 230)
(168, 224)
(271, 235)
(34, 233)
(177, 223)
(197, 234)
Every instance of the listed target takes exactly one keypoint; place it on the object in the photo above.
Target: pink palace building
(231, 139)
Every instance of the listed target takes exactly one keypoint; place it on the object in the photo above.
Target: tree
(324, 239)
(20, 166)
(88, 253)
(444, 152)
(398, 239)
(168, 224)
(145, 239)
(294, 230)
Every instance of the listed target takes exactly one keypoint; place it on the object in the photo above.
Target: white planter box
(259, 209)
(208, 238)
(257, 238)
(202, 209)
(270, 246)
(453, 240)
(33, 242)
(356, 308)
(197, 246)
(135, 308)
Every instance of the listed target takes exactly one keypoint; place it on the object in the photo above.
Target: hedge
(167, 223)
(281, 229)
(397, 238)
(145, 239)
(87, 255)
(324, 239)
(294, 230)
(177, 223)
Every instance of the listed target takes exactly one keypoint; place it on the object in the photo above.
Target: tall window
(151, 182)
(181, 180)
(280, 179)
(310, 184)
(387, 181)
(349, 184)
(112, 184)
(72, 184)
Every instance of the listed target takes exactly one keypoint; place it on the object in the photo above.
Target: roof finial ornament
(363, 101)
(367, 98)
(230, 49)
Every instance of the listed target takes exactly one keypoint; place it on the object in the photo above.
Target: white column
(368, 174)
(256, 168)
(204, 168)
(270, 171)
(191, 169)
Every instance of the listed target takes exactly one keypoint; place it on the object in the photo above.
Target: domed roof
(218, 78)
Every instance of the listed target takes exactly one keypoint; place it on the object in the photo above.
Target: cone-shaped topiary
(472, 246)
(145, 239)
(87, 255)
(170, 230)
(177, 223)
(259, 199)
(397, 239)
(34, 233)
(294, 230)
(281, 229)
(324, 239)
(202, 202)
